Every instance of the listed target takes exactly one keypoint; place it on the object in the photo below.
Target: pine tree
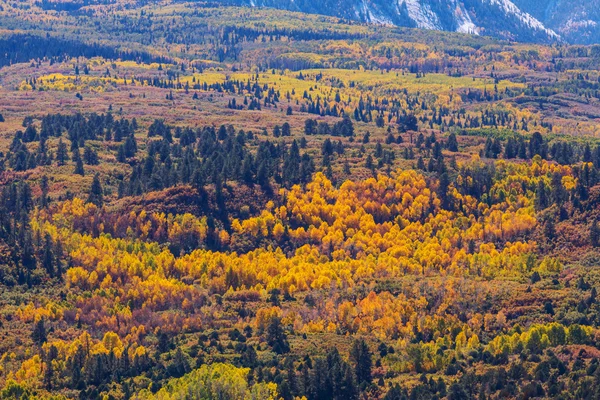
(78, 163)
(457, 392)
(276, 337)
(558, 190)
(369, 162)
(44, 190)
(90, 156)
(310, 127)
(249, 358)
(291, 165)
(550, 229)
(595, 234)
(340, 376)
(247, 167)
(541, 196)
(96, 193)
(452, 143)
(537, 146)
(62, 154)
(180, 365)
(361, 358)
(289, 387)
(587, 153)
(121, 157)
(366, 138)
(396, 393)
(48, 357)
(346, 167)
(39, 334)
(262, 176)
(443, 191)
(378, 150)
(48, 260)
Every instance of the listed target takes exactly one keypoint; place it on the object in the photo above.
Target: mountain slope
(575, 21)
(499, 18)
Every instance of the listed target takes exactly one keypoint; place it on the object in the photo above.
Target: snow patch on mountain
(573, 25)
(501, 18)
(467, 27)
(464, 22)
(422, 14)
(373, 17)
(510, 8)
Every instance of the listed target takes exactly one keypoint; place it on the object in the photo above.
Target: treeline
(69, 6)
(232, 35)
(79, 129)
(25, 258)
(207, 155)
(530, 376)
(563, 152)
(202, 156)
(21, 48)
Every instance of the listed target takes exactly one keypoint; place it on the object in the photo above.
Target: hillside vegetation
(233, 203)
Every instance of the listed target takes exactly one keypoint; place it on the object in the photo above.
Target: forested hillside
(210, 202)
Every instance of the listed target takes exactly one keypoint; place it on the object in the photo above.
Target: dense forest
(210, 202)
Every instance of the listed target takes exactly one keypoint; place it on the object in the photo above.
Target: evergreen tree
(443, 191)
(457, 392)
(558, 190)
(537, 146)
(39, 334)
(262, 175)
(48, 256)
(48, 357)
(249, 358)
(62, 154)
(407, 123)
(511, 148)
(369, 162)
(44, 189)
(78, 163)
(90, 156)
(310, 127)
(595, 234)
(276, 337)
(289, 387)
(550, 229)
(247, 167)
(452, 143)
(361, 358)
(340, 377)
(346, 167)
(541, 196)
(366, 138)
(291, 165)
(179, 366)
(96, 193)
(396, 393)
